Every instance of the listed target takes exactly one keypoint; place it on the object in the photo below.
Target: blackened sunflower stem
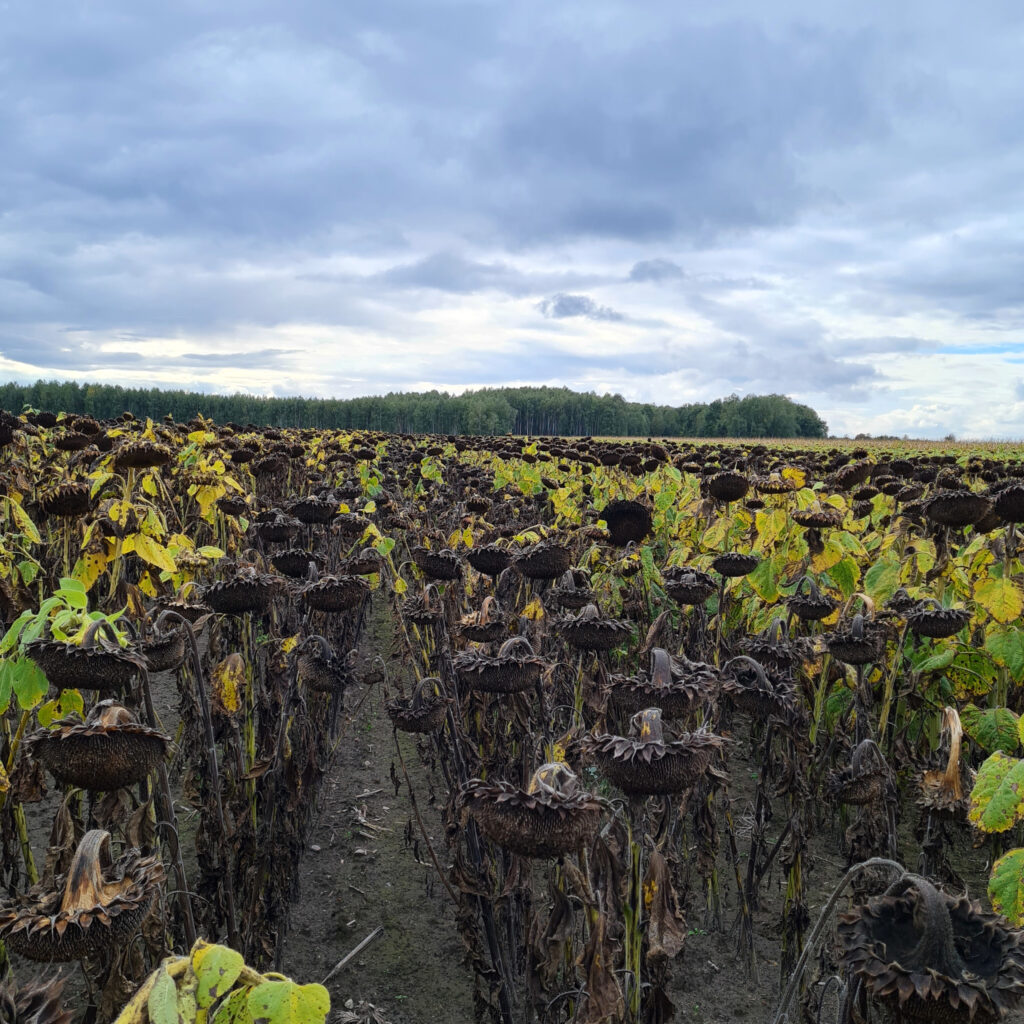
(890, 684)
(720, 623)
(212, 767)
(485, 906)
(166, 816)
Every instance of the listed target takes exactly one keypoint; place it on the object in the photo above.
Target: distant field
(906, 446)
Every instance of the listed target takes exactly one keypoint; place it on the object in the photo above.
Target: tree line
(552, 411)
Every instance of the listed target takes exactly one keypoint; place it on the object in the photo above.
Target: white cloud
(669, 201)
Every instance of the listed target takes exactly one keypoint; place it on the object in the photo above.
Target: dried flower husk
(851, 475)
(759, 693)
(514, 669)
(1008, 502)
(688, 586)
(552, 817)
(677, 686)
(335, 593)
(573, 590)
(728, 486)
(485, 626)
(812, 606)
(424, 712)
(320, 668)
(927, 956)
(312, 510)
(275, 527)
(72, 441)
(70, 500)
(946, 793)
(87, 666)
(929, 618)
(489, 559)
(864, 780)
(109, 750)
(777, 652)
(269, 465)
(295, 562)
(364, 563)
(773, 483)
(246, 591)
(901, 602)
(820, 517)
(627, 521)
(96, 907)
(909, 493)
(192, 611)
(142, 455)
(438, 563)
(863, 642)
(957, 509)
(233, 505)
(545, 560)
(164, 651)
(38, 1002)
(647, 764)
(350, 524)
(426, 609)
(589, 631)
(735, 564)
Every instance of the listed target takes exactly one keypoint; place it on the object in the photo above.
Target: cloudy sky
(672, 201)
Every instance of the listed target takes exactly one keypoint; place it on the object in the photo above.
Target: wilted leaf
(1007, 649)
(797, 476)
(234, 1009)
(28, 571)
(152, 551)
(762, 579)
(217, 968)
(163, 1000)
(68, 702)
(228, 678)
(28, 682)
(997, 800)
(846, 574)
(23, 521)
(993, 728)
(1000, 598)
(939, 661)
(285, 1002)
(1006, 887)
(831, 555)
(882, 579)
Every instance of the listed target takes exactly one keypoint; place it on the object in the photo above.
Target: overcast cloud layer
(672, 201)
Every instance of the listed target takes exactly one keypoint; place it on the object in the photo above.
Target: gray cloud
(561, 306)
(841, 184)
(659, 269)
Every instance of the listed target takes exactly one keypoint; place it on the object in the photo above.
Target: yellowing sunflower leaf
(1006, 887)
(1000, 598)
(154, 552)
(997, 800)
(217, 968)
(228, 678)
